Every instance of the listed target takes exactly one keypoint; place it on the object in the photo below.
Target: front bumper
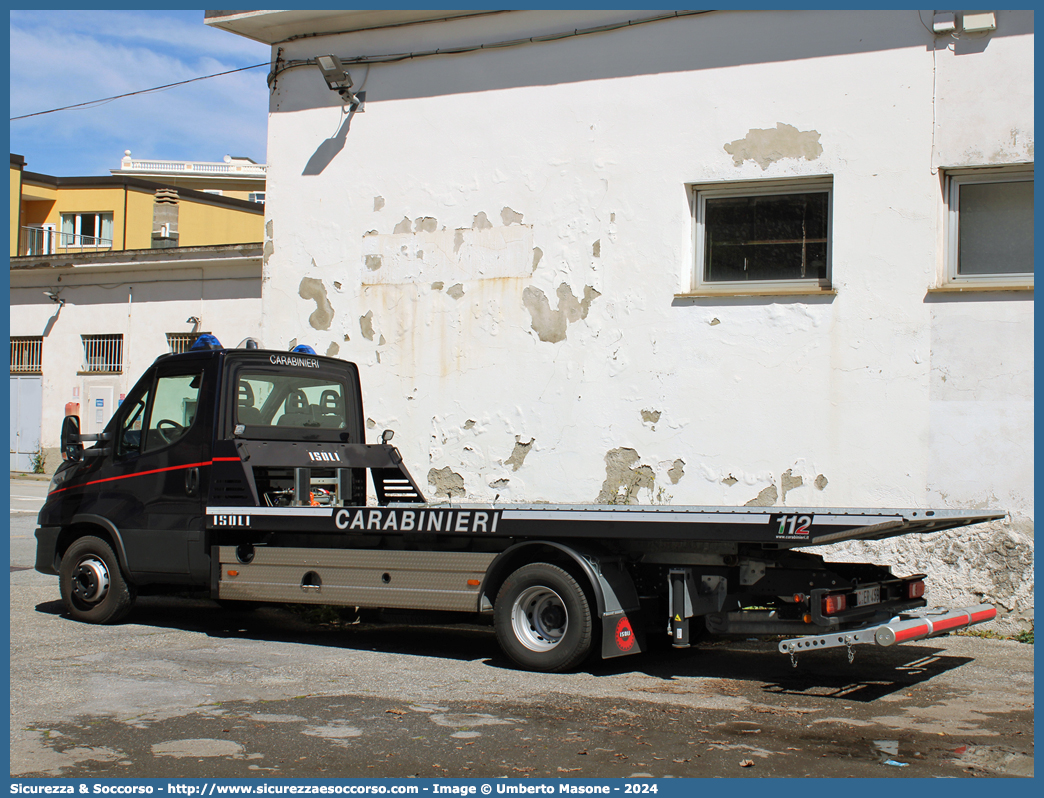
(903, 628)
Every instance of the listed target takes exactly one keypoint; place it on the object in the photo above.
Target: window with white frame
(257, 196)
(990, 227)
(762, 237)
(86, 230)
(102, 354)
(26, 351)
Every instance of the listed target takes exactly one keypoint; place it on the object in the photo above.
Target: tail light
(915, 590)
(834, 604)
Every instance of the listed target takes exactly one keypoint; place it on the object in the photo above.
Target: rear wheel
(543, 619)
(93, 589)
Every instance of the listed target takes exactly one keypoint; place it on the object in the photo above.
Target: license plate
(868, 595)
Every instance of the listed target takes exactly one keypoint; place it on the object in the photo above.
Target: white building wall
(143, 305)
(500, 241)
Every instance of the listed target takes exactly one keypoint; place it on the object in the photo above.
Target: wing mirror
(72, 448)
(72, 441)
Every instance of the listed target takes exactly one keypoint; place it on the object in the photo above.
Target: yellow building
(53, 215)
(107, 273)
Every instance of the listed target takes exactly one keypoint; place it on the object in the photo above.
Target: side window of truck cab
(159, 414)
(128, 441)
(173, 409)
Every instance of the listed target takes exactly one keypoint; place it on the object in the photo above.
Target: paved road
(27, 495)
(185, 688)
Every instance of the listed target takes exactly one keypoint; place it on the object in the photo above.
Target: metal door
(26, 408)
(99, 408)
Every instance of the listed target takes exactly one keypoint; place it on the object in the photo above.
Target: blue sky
(60, 58)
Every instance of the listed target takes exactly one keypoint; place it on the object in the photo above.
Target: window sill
(732, 291)
(967, 288)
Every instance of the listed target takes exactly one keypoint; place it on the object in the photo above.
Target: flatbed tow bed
(770, 528)
(244, 472)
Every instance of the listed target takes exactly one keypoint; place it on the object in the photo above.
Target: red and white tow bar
(913, 625)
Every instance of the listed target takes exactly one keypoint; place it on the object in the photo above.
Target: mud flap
(622, 634)
(622, 629)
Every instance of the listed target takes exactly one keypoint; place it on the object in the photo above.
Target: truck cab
(177, 443)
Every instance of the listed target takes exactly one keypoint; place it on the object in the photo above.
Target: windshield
(289, 400)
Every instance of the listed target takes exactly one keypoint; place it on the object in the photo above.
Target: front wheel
(543, 619)
(93, 589)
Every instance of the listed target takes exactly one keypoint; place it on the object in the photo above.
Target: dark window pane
(87, 226)
(765, 238)
(996, 228)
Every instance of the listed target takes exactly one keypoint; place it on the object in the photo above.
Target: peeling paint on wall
(455, 291)
(510, 217)
(766, 498)
(323, 314)
(437, 285)
(470, 423)
(378, 203)
(332, 349)
(418, 253)
(518, 455)
(596, 248)
(622, 479)
(651, 416)
(499, 484)
(765, 147)
(676, 471)
(446, 482)
(550, 325)
(538, 253)
(788, 482)
(481, 222)
(366, 325)
(730, 480)
(821, 482)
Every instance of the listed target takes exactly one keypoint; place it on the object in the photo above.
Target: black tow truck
(243, 472)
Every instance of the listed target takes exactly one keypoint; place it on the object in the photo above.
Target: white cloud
(54, 65)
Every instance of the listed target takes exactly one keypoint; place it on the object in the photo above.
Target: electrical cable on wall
(392, 58)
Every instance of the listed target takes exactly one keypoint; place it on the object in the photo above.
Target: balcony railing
(233, 169)
(45, 241)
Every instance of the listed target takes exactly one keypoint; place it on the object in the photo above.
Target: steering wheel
(169, 430)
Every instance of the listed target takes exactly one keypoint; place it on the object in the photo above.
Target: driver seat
(246, 413)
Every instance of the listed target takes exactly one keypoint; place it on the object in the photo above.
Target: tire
(543, 619)
(92, 585)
